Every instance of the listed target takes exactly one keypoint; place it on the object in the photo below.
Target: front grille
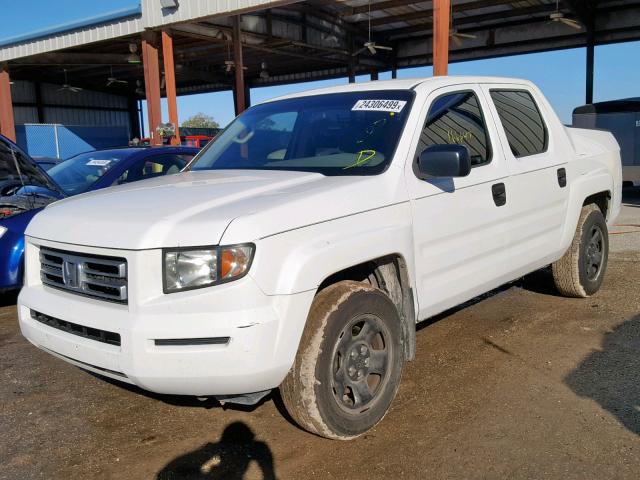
(87, 332)
(90, 275)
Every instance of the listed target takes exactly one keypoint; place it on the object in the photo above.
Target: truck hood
(195, 208)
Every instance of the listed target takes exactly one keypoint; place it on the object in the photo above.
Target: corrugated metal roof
(120, 23)
(119, 14)
(155, 16)
(77, 37)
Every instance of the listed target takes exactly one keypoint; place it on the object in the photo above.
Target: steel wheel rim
(594, 253)
(361, 361)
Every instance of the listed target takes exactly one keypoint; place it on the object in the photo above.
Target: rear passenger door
(537, 166)
(461, 234)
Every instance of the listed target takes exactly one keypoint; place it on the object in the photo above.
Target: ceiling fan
(559, 17)
(230, 65)
(369, 45)
(111, 80)
(66, 87)
(456, 36)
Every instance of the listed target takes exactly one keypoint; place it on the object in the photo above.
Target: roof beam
(428, 13)
(274, 46)
(498, 17)
(64, 58)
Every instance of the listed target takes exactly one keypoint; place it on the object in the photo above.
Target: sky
(559, 74)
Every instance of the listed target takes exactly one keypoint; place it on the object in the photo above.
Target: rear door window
(522, 122)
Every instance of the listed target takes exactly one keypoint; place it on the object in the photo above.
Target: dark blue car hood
(16, 167)
(24, 186)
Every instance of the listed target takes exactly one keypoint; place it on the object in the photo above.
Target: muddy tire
(349, 362)
(580, 272)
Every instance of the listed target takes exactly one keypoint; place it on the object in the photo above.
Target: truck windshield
(352, 133)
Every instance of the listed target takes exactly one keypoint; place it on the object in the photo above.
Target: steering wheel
(244, 139)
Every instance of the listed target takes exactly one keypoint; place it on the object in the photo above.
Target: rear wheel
(349, 363)
(580, 272)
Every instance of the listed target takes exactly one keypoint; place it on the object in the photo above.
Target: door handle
(562, 177)
(499, 192)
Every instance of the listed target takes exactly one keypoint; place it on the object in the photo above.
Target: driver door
(460, 225)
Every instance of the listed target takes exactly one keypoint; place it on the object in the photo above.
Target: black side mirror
(448, 160)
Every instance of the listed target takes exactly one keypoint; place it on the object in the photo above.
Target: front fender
(299, 260)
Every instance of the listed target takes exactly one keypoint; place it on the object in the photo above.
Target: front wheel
(349, 363)
(580, 272)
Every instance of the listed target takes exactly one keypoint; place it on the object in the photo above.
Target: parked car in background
(197, 141)
(25, 188)
(47, 162)
(104, 168)
(622, 119)
(301, 247)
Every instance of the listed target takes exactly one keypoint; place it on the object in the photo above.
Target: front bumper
(264, 331)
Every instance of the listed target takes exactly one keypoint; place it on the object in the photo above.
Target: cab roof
(404, 84)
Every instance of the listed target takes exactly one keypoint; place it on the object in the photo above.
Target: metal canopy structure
(199, 47)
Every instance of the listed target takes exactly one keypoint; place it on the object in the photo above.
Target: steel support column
(152, 88)
(7, 125)
(39, 106)
(351, 72)
(170, 84)
(441, 21)
(590, 63)
(134, 119)
(239, 89)
(247, 97)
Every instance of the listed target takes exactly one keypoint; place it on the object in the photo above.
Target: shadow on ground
(631, 196)
(228, 459)
(611, 375)
(8, 299)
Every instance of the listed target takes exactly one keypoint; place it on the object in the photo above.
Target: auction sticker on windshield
(394, 106)
(98, 163)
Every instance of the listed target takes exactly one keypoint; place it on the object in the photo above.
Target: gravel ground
(520, 384)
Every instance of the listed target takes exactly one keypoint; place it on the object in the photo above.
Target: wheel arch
(311, 258)
(596, 188)
(390, 274)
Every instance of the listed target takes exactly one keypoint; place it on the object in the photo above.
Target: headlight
(186, 269)
(3, 230)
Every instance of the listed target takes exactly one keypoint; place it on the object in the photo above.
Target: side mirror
(448, 160)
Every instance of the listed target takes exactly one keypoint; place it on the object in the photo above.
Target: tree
(200, 120)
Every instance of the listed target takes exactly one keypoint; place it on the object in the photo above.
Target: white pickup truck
(301, 247)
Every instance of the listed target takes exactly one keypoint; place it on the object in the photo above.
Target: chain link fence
(64, 141)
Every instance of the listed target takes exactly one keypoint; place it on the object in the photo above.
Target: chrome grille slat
(51, 270)
(89, 271)
(94, 276)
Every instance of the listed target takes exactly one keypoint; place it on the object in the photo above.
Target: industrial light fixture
(139, 90)
(133, 56)
(169, 3)
(264, 73)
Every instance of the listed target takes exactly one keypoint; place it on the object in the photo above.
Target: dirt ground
(519, 384)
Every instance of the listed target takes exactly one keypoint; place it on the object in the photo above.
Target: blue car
(25, 188)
